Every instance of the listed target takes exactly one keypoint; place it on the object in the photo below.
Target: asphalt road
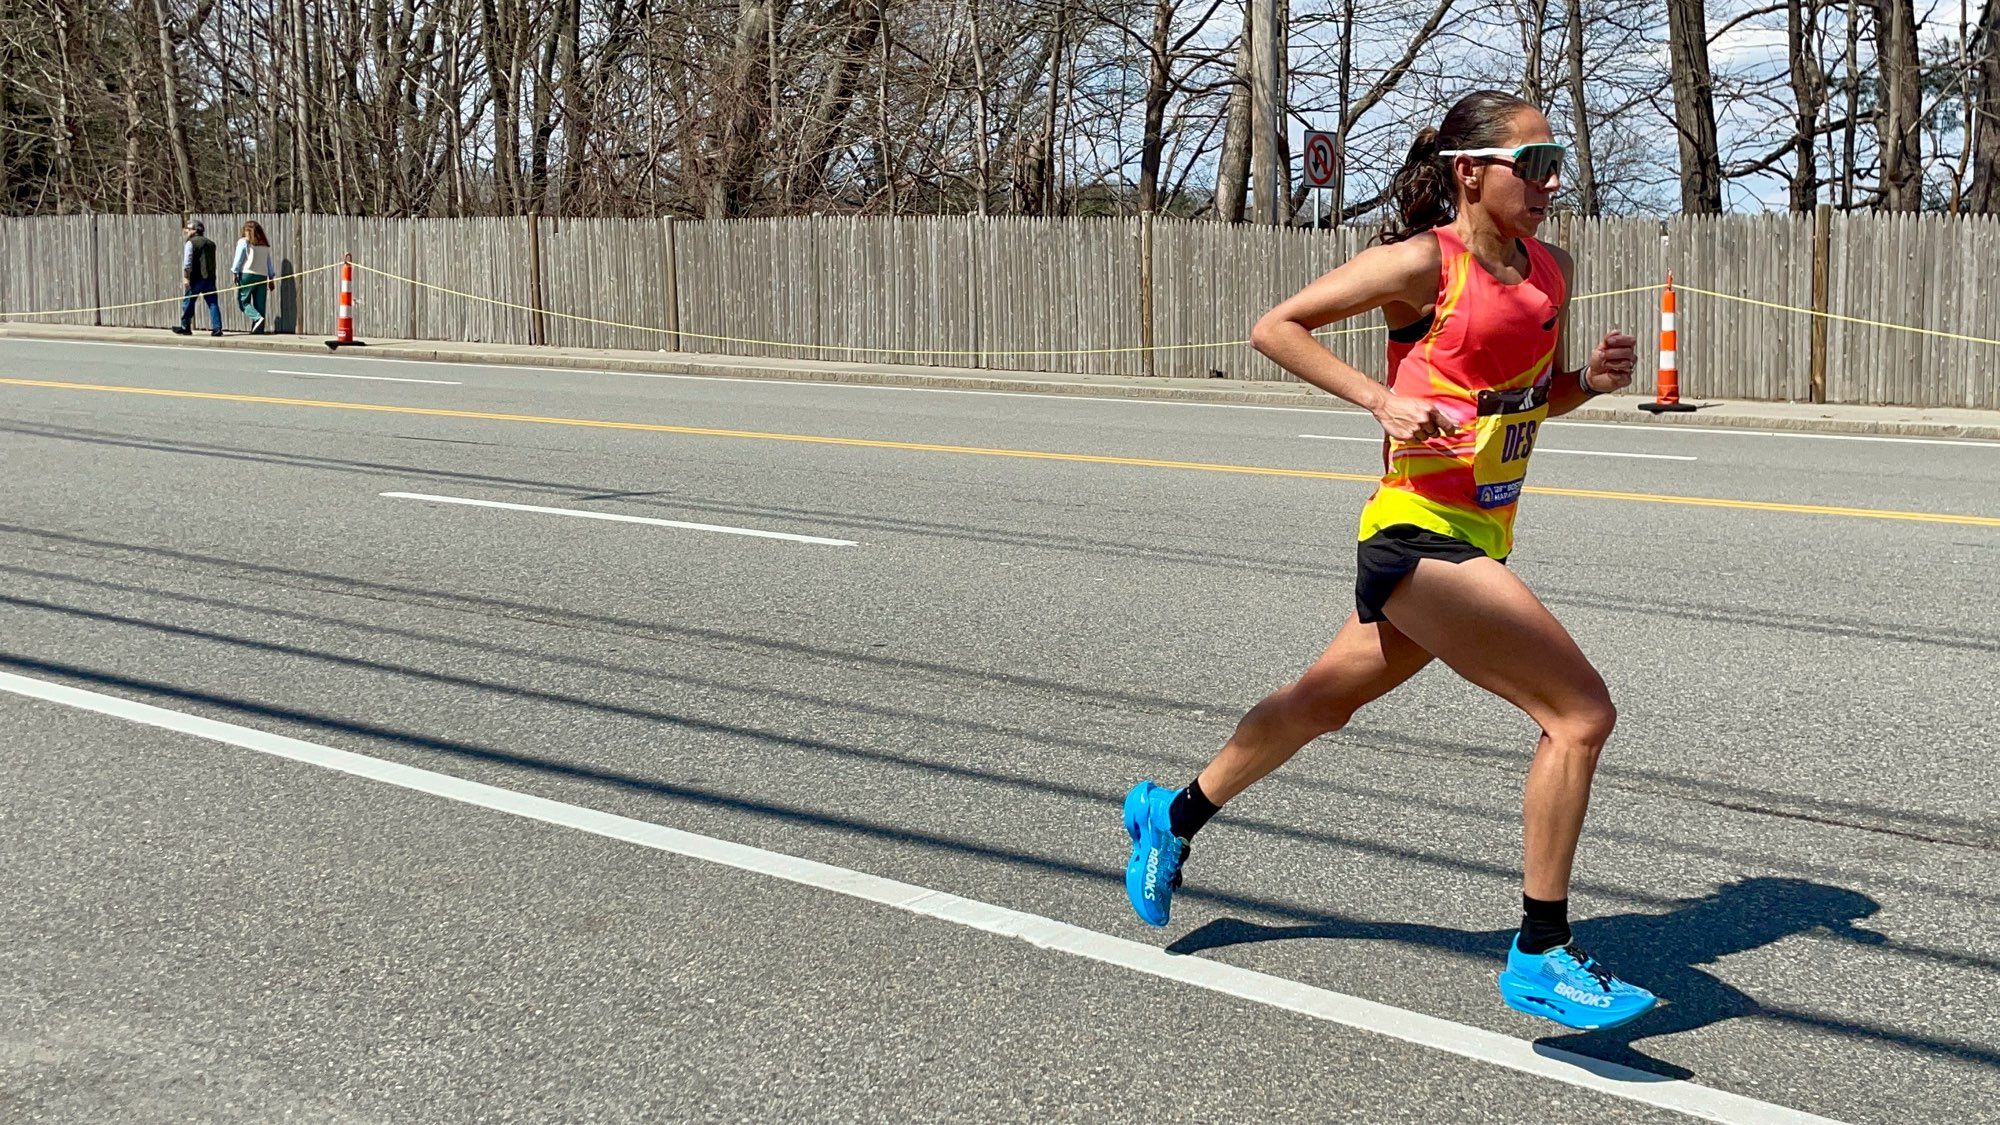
(1793, 840)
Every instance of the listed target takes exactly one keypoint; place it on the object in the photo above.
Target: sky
(1483, 44)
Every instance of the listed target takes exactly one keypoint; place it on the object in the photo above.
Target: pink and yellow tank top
(1485, 363)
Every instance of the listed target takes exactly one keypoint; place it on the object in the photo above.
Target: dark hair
(253, 231)
(1423, 189)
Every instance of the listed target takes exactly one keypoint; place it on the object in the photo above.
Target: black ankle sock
(1544, 925)
(1189, 810)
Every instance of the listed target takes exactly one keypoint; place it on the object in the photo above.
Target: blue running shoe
(1154, 871)
(1568, 986)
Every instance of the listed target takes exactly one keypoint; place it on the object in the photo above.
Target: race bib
(1506, 429)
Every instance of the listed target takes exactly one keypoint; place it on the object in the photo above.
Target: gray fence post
(1822, 261)
(670, 275)
(296, 284)
(96, 282)
(1146, 293)
(537, 330)
(411, 260)
(976, 227)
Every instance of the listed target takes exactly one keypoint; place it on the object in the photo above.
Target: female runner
(1474, 305)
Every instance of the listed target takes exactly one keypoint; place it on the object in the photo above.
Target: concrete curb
(1780, 417)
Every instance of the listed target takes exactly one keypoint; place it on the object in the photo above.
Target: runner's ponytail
(1423, 189)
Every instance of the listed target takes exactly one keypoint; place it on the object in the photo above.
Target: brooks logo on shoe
(1570, 992)
(1152, 872)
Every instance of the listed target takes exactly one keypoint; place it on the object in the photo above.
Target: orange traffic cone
(343, 325)
(1667, 397)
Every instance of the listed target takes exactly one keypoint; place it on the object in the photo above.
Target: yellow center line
(982, 451)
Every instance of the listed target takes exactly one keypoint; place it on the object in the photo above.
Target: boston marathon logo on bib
(1508, 423)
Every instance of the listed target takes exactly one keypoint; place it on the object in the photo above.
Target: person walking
(1474, 304)
(198, 279)
(251, 274)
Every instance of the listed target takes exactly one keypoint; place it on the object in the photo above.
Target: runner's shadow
(285, 316)
(1663, 952)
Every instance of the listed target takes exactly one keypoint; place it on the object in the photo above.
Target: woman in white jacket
(250, 269)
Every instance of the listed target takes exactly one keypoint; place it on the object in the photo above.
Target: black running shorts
(1387, 557)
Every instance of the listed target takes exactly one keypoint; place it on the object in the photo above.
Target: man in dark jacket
(198, 280)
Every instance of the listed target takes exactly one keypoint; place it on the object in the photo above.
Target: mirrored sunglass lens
(1538, 162)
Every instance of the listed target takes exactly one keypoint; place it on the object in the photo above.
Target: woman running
(1474, 305)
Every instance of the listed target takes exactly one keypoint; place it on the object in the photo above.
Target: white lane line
(1322, 411)
(1046, 933)
(376, 378)
(1377, 440)
(1728, 431)
(614, 518)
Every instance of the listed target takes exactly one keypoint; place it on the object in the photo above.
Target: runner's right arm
(1404, 275)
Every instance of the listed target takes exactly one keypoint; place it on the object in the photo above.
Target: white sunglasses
(1534, 163)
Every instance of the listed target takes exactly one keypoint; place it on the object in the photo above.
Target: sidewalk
(1886, 420)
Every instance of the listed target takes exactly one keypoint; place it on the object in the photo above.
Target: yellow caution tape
(1581, 297)
(818, 347)
(162, 300)
(970, 352)
(879, 351)
(1840, 317)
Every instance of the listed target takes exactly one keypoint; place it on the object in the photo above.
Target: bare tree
(1586, 172)
(1899, 115)
(1808, 94)
(1985, 102)
(1694, 108)
(767, 107)
(1232, 179)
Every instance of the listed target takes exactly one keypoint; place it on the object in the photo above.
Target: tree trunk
(1159, 89)
(1853, 92)
(1808, 93)
(1051, 169)
(1985, 196)
(740, 92)
(543, 112)
(1232, 176)
(1344, 80)
(66, 128)
(836, 100)
(1694, 108)
(135, 124)
(170, 96)
(1900, 110)
(984, 158)
(1579, 106)
(305, 166)
(1266, 117)
(885, 155)
(575, 118)
(1534, 23)
(499, 21)
(455, 95)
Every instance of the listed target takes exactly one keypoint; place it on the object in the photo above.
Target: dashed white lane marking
(1730, 431)
(1046, 933)
(374, 378)
(1377, 440)
(612, 517)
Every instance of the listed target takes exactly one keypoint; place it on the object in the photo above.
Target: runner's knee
(1587, 724)
(1322, 709)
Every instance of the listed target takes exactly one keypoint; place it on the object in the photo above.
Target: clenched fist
(1611, 363)
(1412, 419)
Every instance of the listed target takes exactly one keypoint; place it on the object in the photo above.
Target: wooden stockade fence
(1084, 296)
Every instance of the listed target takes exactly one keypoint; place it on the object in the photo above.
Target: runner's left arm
(1609, 368)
